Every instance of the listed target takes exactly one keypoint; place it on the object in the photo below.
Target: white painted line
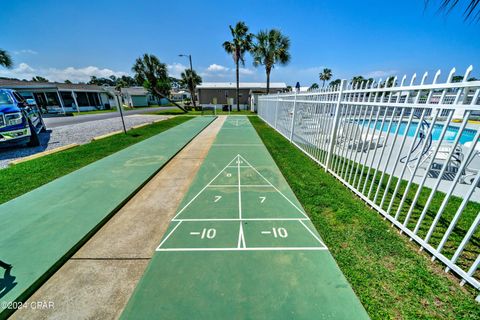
(248, 249)
(195, 233)
(169, 234)
(266, 232)
(243, 219)
(202, 189)
(313, 234)
(239, 189)
(237, 167)
(237, 145)
(274, 187)
(241, 238)
(243, 185)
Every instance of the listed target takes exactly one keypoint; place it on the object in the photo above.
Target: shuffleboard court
(242, 247)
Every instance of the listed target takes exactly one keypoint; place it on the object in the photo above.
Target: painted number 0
(208, 233)
(280, 232)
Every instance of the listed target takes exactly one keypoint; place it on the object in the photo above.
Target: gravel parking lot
(74, 133)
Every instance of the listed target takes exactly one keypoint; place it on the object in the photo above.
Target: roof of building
(19, 84)
(135, 91)
(242, 85)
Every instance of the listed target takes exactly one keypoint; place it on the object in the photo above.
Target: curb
(106, 135)
(44, 153)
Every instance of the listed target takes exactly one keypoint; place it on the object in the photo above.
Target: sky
(77, 39)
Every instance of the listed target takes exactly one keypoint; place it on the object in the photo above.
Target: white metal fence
(409, 150)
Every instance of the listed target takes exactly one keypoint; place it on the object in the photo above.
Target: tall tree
(190, 79)
(271, 48)
(471, 11)
(39, 79)
(241, 43)
(335, 82)
(153, 75)
(357, 79)
(325, 75)
(5, 59)
(313, 86)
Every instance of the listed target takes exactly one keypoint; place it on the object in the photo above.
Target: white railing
(409, 150)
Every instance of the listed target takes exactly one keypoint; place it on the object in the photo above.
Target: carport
(55, 97)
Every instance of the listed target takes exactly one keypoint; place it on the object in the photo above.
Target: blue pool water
(450, 135)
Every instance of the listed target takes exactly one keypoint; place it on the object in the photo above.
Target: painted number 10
(279, 232)
(208, 233)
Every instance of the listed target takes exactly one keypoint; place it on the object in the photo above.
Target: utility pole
(191, 74)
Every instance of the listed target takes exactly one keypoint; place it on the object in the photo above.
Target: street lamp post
(119, 103)
(191, 72)
(189, 58)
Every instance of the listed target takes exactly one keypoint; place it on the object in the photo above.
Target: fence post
(333, 136)
(276, 111)
(293, 116)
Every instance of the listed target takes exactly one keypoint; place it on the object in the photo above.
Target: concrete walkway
(98, 280)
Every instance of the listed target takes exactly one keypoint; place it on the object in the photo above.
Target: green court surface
(242, 247)
(42, 228)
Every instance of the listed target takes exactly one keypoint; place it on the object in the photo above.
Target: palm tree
(271, 48)
(313, 86)
(357, 79)
(191, 79)
(325, 75)
(5, 59)
(241, 43)
(472, 10)
(335, 82)
(153, 75)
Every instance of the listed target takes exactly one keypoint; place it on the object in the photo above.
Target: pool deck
(395, 145)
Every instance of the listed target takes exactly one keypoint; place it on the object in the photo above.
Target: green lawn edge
(391, 278)
(206, 112)
(24, 177)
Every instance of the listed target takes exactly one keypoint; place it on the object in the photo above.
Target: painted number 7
(217, 198)
(262, 199)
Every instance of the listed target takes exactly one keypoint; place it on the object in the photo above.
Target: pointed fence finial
(436, 76)
(393, 82)
(467, 73)
(450, 75)
(425, 75)
(413, 79)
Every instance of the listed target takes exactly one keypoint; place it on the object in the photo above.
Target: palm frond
(5, 59)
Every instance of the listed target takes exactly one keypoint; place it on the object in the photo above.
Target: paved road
(62, 121)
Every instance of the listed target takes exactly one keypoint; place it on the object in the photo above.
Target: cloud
(174, 70)
(25, 51)
(216, 68)
(217, 72)
(246, 71)
(24, 71)
(381, 73)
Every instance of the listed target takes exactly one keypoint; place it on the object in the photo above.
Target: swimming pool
(450, 135)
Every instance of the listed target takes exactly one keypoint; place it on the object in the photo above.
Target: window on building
(52, 99)
(67, 99)
(82, 99)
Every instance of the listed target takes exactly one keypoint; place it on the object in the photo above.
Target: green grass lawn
(360, 176)
(26, 176)
(391, 278)
(196, 113)
(82, 113)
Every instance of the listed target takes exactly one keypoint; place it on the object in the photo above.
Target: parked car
(20, 121)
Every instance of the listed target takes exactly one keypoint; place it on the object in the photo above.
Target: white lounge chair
(350, 136)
